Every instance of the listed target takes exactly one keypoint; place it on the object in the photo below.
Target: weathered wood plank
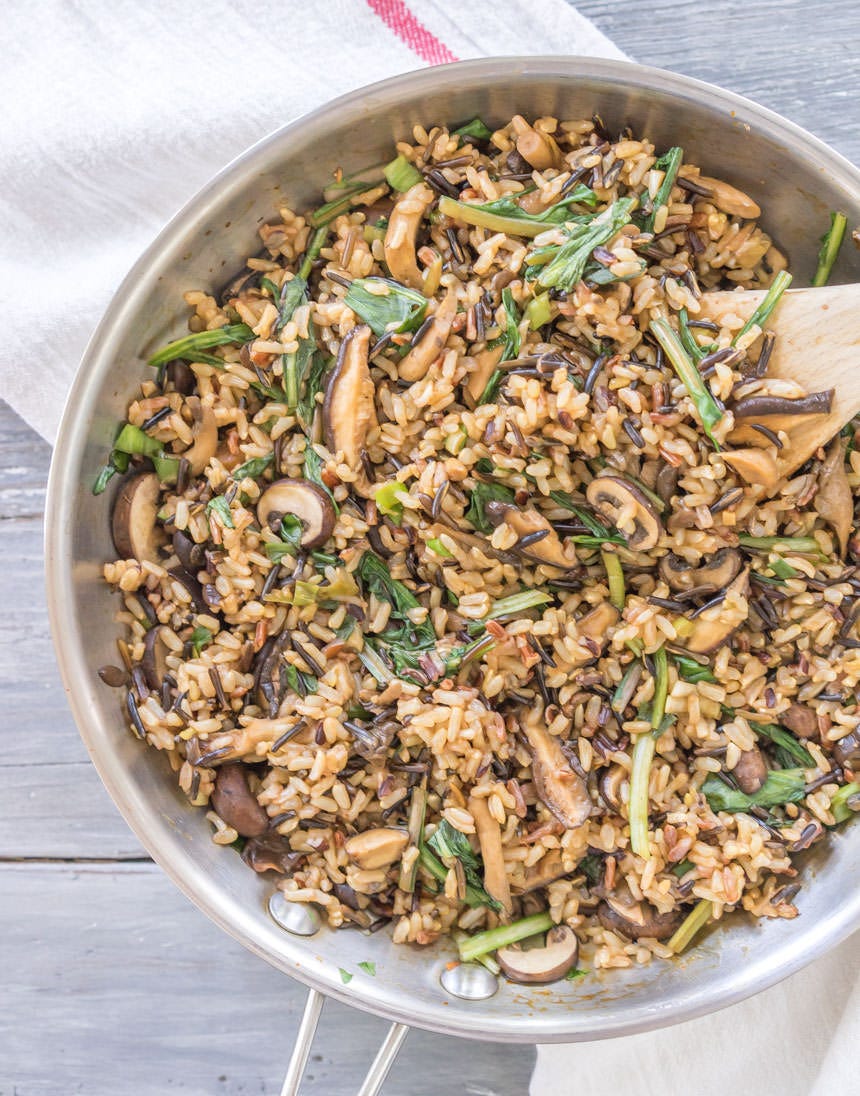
(112, 983)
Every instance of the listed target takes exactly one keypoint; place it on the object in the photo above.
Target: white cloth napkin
(119, 113)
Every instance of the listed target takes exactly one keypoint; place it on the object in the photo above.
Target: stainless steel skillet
(797, 179)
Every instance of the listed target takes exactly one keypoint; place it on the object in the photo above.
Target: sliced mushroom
(419, 359)
(609, 785)
(717, 624)
(627, 509)
(134, 522)
(834, 500)
(304, 500)
(801, 720)
(637, 920)
(154, 661)
(181, 376)
(847, 749)
(490, 838)
(376, 848)
(714, 573)
(234, 801)
(270, 852)
(484, 367)
(562, 790)
(537, 966)
(596, 623)
(750, 771)
(549, 868)
(205, 431)
(537, 538)
(192, 556)
(728, 198)
(402, 232)
(757, 467)
(667, 482)
(349, 410)
(538, 148)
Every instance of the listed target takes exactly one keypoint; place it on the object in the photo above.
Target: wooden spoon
(818, 346)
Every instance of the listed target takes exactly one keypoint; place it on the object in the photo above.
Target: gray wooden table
(110, 981)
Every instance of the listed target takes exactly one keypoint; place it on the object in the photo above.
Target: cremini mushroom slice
(305, 500)
(636, 920)
(609, 785)
(401, 234)
(154, 661)
(134, 522)
(562, 790)
(490, 839)
(419, 359)
(713, 573)
(205, 431)
(270, 852)
(834, 501)
(800, 720)
(536, 147)
(597, 622)
(537, 538)
(750, 771)
(625, 507)
(376, 848)
(728, 198)
(349, 411)
(235, 803)
(537, 966)
(757, 467)
(485, 365)
(718, 623)
(549, 868)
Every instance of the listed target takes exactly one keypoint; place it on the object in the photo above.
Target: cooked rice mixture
(458, 586)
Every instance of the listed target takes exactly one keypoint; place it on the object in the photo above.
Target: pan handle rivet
(469, 981)
(299, 918)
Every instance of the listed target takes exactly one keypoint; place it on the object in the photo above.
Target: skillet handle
(378, 1071)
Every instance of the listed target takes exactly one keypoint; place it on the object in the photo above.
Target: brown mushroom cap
(847, 750)
(205, 432)
(712, 574)
(801, 720)
(527, 524)
(154, 662)
(376, 848)
(718, 623)
(637, 920)
(609, 785)
(422, 355)
(234, 802)
(750, 771)
(305, 500)
(537, 966)
(270, 852)
(625, 507)
(191, 555)
(349, 410)
(134, 522)
(563, 791)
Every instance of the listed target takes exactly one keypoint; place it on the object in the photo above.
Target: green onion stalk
(473, 947)
(706, 406)
(643, 755)
(831, 242)
(615, 579)
(691, 926)
(762, 314)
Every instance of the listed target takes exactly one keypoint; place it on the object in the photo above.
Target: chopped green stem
(514, 604)
(640, 777)
(440, 873)
(762, 314)
(568, 265)
(839, 807)
(787, 741)
(372, 662)
(187, 347)
(691, 926)
(327, 213)
(136, 442)
(507, 215)
(482, 942)
(661, 688)
(615, 579)
(688, 341)
(417, 814)
(831, 242)
(702, 397)
(538, 311)
(400, 174)
(803, 545)
(436, 545)
(291, 382)
(477, 128)
(669, 163)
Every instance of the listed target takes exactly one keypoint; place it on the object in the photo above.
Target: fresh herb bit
(538, 311)
(166, 467)
(691, 670)
(591, 867)
(449, 844)
(313, 464)
(762, 314)
(117, 465)
(345, 976)
(514, 604)
(475, 893)
(436, 545)
(387, 501)
(596, 274)
(186, 348)
(707, 407)
(300, 682)
(291, 532)
(661, 689)
(574, 974)
(831, 242)
(485, 466)
(220, 506)
(293, 292)
(786, 741)
(615, 579)
(668, 163)
(680, 870)
(253, 468)
(276, 550)
(782, 569)
(403, 641)
(328, 559)
(781, 786)
(566, 268)
(476, 128)
(368, 967)
(201, 637)
(371, 661)
(507, 215)
(691, 926)
(473, 947)
(482, 493)
(458, 657)
(397, 308)
(626, 688)
(803, 545)
(598, 532)
(269, 287)
(400, 174)
(492, 388)
(839, 804)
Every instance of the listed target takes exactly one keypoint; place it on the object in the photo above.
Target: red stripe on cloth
(397, 17)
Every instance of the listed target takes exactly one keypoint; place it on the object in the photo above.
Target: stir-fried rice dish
(465, 579)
